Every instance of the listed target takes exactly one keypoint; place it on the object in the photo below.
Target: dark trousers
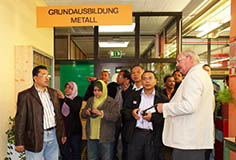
(179, 154)
(207, 154)
(124, 150)
(141, 147)
(117, 134)
(72, 148)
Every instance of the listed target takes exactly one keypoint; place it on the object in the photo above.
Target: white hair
(194, 55)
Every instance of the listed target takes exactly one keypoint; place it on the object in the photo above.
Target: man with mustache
(39, 124)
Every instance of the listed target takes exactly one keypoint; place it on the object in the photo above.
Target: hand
(63, 140)
(148, 116)
(135, 113)
(88, 112)
(160, 107)
(97, 112)
(60, 94)
(91, 78)
(19, 148)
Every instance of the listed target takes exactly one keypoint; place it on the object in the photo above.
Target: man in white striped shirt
(39, 125)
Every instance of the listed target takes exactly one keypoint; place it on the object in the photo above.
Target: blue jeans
(100, 151)
(72, 148)
(50, 149)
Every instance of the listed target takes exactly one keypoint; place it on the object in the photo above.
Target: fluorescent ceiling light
(220, 60)
(226, 19)
(113, 44)
(219, 17)
(207, 27)
(117, 28)
(226, 29)
(216, 65)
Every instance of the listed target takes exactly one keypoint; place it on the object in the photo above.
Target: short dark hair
(206, 65)
(176, 71)
(126, 74)
(149, 72)
(137, 66)
(166, 77)
(36, 69)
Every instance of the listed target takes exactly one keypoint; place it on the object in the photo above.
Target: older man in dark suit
(39, 125)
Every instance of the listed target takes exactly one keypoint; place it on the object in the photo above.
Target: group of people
(147, 118)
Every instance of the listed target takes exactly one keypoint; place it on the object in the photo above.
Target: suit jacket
(157, 120)
(29, 119)
(189, 115)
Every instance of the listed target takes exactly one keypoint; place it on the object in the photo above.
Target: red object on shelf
(222, 55)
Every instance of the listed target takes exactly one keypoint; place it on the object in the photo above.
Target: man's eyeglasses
(45, 75)
(120, 76)
(180, 59)
(147, 78)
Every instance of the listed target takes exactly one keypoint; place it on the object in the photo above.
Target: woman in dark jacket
(70, 108)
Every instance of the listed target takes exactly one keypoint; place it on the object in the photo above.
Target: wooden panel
(24, 66)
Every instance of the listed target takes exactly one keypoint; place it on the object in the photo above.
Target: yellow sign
(88, 15)
(219, 72)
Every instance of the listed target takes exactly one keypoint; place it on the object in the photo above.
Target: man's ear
(191, 58)
(34, 78)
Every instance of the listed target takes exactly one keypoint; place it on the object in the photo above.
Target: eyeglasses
(148, 78)
(45, 75)
(120, 76)
(180, 59)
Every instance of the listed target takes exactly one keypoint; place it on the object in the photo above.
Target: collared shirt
(48, 109)
(135, 88)
(146, 102)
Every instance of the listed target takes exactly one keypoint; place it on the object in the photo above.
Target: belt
(144, 130)
(49, 129)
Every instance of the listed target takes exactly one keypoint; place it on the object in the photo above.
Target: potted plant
(11, 153)
(224, 97)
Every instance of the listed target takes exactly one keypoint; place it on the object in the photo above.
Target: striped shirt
(48, 109)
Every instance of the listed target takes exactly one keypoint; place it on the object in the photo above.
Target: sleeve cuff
(102, 114)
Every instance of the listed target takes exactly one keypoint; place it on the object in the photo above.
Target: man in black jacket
(121, 93)
(144, 129)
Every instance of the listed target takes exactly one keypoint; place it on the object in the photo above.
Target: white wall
(18, 27)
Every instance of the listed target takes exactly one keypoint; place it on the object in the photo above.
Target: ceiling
(149, 26)
(138, 5)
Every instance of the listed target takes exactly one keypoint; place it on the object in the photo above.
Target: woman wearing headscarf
(101, 112)
(70, 108)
